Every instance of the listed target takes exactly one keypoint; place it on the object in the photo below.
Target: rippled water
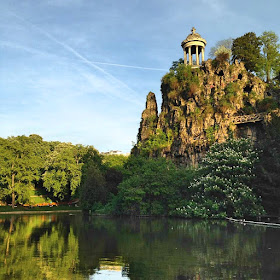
(82, 247)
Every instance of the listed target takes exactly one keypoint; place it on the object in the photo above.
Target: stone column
(185, 56)
(196, 54)
(190, 56)
(202, 54)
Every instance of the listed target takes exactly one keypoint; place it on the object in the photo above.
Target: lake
(75, 246)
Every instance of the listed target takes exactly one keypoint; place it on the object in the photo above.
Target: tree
(93, 189)
(152, 187)
(115, 161)
(247, 49)
(223, 188)
(176, 63)
(270, 54)
(63, 170)
(20, 164)
(227, 43)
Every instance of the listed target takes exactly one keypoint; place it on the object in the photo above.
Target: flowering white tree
(223, 188)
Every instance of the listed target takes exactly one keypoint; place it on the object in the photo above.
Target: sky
(79, 70)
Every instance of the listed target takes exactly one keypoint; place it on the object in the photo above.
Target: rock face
(149, 118)
(199, 107)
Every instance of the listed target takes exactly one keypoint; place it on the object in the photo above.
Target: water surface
(63, 246)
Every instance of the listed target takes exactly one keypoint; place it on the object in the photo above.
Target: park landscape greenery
(235, 178)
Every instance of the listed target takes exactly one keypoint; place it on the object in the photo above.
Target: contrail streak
(32, 50)
(74, 52)
(130, 66)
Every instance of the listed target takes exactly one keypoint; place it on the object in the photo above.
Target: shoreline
(40, 212)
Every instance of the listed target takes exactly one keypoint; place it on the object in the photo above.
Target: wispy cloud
(76, 54)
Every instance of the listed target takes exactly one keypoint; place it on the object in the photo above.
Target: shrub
(183, 81)
(222, 54)
(173, 94)
(193, 88)
(248, 109)
(224, 105)
(155, 144)
(267, 104)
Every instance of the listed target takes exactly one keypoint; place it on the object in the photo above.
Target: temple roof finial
(193, 30)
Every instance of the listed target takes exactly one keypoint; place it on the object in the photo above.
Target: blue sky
(64, 64)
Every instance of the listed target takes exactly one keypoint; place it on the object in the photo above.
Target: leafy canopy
(247, 49)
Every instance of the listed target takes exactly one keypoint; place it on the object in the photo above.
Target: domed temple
(194, 44)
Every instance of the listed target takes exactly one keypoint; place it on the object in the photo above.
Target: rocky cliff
(202, 106)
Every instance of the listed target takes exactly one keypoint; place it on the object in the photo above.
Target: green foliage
(267, 180)
(152, 187)
(63, 170)
(223, 186)
(156, 143)
(114, 161)
(248, 109)
(232, 88)
(270, 54)
(266, 105)
(210, 133)
(176, 63)
(20, 164)
(247, 49)
(196, 114)
(259, 54)
(224, 105)
(182, 81)
(93, 190)
(29, 163)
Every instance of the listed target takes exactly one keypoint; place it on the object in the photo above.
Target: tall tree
(19, 167)
(93, 188)
(270, 54)
(224, 185)
(247, 49)
(63, 170)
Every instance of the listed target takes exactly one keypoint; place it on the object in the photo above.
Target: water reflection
(82, 247)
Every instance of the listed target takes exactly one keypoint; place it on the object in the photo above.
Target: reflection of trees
(177, 249)
(73, 247)
(37, 247)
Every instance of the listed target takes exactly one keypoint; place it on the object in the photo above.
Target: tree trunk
(13, 193)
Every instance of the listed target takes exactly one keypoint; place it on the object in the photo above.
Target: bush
(222, 54)
(155, 144)
(266, 105)
(183, 80)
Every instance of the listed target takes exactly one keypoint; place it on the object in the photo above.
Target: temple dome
(194, 36)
